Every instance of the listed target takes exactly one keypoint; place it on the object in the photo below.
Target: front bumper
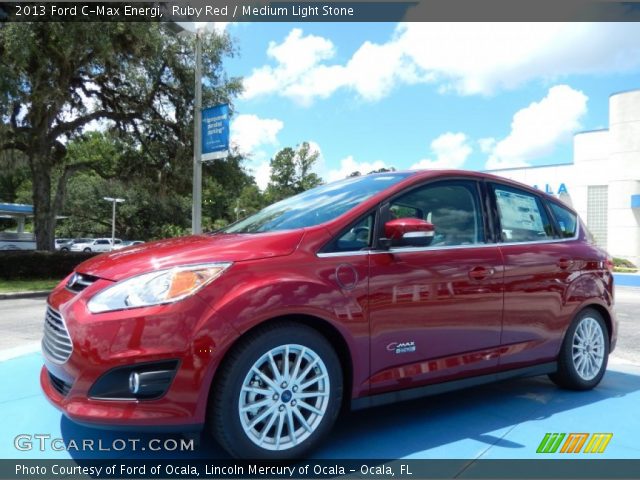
(182, 332)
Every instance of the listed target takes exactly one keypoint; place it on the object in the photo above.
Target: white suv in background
(95, 245)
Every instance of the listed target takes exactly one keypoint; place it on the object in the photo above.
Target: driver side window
(452, 207)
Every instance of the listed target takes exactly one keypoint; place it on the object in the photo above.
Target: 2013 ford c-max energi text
(356, 293)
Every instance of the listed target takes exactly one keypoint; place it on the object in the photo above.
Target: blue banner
(215, 132)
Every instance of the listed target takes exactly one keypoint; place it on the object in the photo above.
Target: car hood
(221, 247)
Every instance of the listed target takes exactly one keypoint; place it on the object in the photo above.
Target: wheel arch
(322, 326)
(606, 316)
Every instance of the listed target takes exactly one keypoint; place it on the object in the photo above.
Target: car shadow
(418, 428)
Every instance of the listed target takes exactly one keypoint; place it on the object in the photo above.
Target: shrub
(623, 265)
(22, 264)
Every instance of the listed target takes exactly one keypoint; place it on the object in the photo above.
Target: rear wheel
(87, 249)
(277, 394)
(584, 354)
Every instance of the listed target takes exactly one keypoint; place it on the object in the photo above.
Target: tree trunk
(44, 214)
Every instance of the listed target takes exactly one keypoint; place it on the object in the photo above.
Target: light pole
(196, 214)
(196, 208)
(113, 201)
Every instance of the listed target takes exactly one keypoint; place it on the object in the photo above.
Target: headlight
(154, 288)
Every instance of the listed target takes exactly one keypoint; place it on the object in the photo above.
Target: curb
(15, 295)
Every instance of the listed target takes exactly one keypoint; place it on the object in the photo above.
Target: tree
(58, 79)
(379, 170)
(291, 172)
(14, 172)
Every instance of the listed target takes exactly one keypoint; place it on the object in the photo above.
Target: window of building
(597, 207)
(566, 220)
(522, 217)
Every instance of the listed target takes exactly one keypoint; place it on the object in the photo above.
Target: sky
(436, 95)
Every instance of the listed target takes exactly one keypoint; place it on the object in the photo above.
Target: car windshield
(318, 205)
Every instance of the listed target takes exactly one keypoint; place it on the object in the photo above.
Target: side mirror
(413, 231)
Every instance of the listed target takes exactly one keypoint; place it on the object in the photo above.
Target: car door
(539, 267)
(436, 309)
(102, 245)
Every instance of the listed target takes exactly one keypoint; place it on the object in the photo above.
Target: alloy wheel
(284, 397)
(588, 348)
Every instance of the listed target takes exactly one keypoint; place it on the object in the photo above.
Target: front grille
(80, 281)
(56, 343)
(59, 385)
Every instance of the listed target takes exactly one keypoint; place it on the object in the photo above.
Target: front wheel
(278, 393)
(584, 354)
(87, 250)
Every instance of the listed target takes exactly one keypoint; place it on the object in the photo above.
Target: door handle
(564, 263)
(480, 273)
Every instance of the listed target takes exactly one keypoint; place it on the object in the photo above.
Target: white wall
(601, 157)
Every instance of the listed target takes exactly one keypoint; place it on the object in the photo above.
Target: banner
(215, 132)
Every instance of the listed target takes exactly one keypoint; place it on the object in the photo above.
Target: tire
(87, 250)
(246, 377)
(584, 353)
(64, 249)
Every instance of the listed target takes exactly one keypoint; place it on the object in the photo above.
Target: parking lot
(507, 420)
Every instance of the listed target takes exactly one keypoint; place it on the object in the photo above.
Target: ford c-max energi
(353, 294)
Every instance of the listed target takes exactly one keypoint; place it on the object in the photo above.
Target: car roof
(426, 174)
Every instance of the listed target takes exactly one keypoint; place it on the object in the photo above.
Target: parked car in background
(370, 290)
(126, 243)
(61, 242)
(66, 247)
(95, 245)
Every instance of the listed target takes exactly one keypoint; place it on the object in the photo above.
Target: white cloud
(467, 58)
(192, 27)
(249, 132)
(537, 129)
(451, 150)
(261, 172)
(295, 58)
(348, 165)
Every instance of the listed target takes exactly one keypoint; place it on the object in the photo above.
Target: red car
(370, 290)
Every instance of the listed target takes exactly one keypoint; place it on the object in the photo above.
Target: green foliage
(379, 170)
(136, 79)
(14, 173)
(291, 172)
(624, 265)
(30, 265)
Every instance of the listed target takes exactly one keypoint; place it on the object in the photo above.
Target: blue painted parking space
(627, 279)
(501, 421)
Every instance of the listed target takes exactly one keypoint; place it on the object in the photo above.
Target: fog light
(134, 383)
(142, 381)
(150, 384)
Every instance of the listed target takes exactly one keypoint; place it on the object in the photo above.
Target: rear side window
(522, 216)
(566, 220)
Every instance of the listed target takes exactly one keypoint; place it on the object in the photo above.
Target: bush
(623, 265)
(22, 264)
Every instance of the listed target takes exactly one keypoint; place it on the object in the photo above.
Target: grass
(8, 286)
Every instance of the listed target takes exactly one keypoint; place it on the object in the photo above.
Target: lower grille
(56, 343)
(59, 385)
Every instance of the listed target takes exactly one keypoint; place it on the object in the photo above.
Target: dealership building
(603, 182)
